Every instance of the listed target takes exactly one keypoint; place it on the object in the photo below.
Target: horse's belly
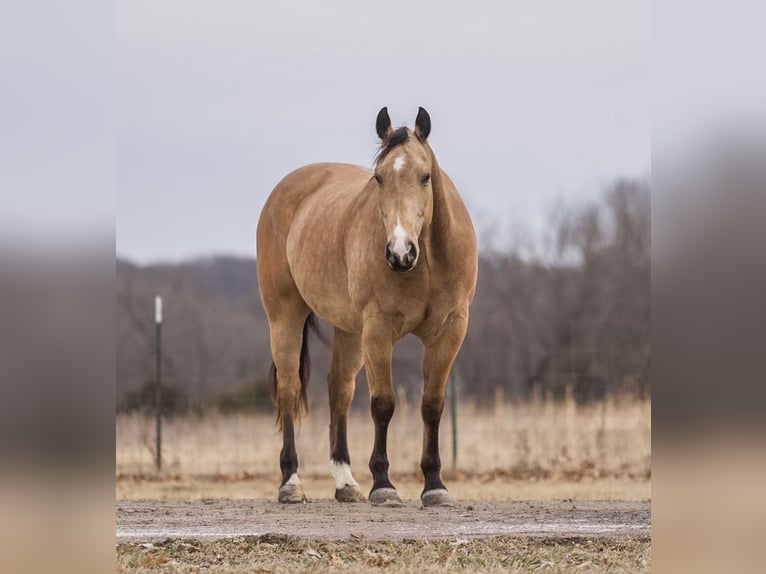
(336, 309)
(320, 276)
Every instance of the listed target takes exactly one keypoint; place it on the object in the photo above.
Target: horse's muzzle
(402, 262)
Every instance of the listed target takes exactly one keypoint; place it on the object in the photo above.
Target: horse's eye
(425, 179)
(378, 179)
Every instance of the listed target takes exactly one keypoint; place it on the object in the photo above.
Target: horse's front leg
(345, 364)
(441, 348)
(377, 345)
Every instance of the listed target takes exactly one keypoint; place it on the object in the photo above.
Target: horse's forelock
(397, 138)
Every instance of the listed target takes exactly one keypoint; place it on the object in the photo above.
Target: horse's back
(290, 194)
(307, 208)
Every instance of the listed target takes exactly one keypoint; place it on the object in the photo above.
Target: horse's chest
(408, 310)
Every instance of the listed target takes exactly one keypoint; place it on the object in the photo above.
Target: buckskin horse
(378, 254)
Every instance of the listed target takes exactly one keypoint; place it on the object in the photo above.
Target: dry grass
(276, 554)
(409, 487)
(604, 448)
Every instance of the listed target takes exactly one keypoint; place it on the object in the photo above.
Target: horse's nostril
(390, 257)
(411, 254)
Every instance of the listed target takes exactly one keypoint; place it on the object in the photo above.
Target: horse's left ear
(383, 124)
(422, 124)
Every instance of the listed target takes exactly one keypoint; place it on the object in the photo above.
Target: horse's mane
(397, 138)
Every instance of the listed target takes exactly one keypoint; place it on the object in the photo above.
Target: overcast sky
(217, 101)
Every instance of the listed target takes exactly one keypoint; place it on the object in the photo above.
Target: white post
(158, 391)
(158, 309)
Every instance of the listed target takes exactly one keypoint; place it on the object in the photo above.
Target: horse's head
(405, 197)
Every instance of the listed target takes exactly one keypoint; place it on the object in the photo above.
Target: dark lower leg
(346, 488)
(382, 410)
(288, 458)
(338, 440)
(430, 462)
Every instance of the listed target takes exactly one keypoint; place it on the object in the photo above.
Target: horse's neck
(438, 233)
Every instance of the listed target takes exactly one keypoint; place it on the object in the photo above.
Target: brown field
(408, 486)
(557, 449)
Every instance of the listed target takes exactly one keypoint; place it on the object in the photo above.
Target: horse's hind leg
(346, 362)
(286, 331)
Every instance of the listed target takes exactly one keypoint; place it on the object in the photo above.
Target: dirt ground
(233, 525)
(545, 487)
(148, 521)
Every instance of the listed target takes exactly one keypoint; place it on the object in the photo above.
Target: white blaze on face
(400, 240)
(398, 163)
(341, 472)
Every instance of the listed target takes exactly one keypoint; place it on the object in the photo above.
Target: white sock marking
(400, 236)
(341, 472)
(293, 480)
(398, 163)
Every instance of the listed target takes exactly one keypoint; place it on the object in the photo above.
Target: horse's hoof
(349, 493)
(291, 493)
(436, 497)
(385, 497)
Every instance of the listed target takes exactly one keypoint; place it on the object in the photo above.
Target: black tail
(304, 370)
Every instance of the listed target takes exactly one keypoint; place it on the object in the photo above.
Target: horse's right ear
(383, 123)
(422, 124)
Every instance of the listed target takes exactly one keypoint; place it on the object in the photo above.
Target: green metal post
(158, 392)
(453, 413)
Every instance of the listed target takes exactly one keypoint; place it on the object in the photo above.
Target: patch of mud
(148, 521)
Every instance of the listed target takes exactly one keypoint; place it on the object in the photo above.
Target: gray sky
(217, 101)
(57, 121)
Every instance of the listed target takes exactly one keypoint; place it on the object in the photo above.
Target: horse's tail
(304, 370)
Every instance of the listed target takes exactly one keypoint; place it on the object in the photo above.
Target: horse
(378, 253)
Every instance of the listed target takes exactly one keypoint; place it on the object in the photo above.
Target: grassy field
(543, 449)
(279, 554)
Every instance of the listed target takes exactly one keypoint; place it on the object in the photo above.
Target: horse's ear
(383, 123)
(422, 124)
